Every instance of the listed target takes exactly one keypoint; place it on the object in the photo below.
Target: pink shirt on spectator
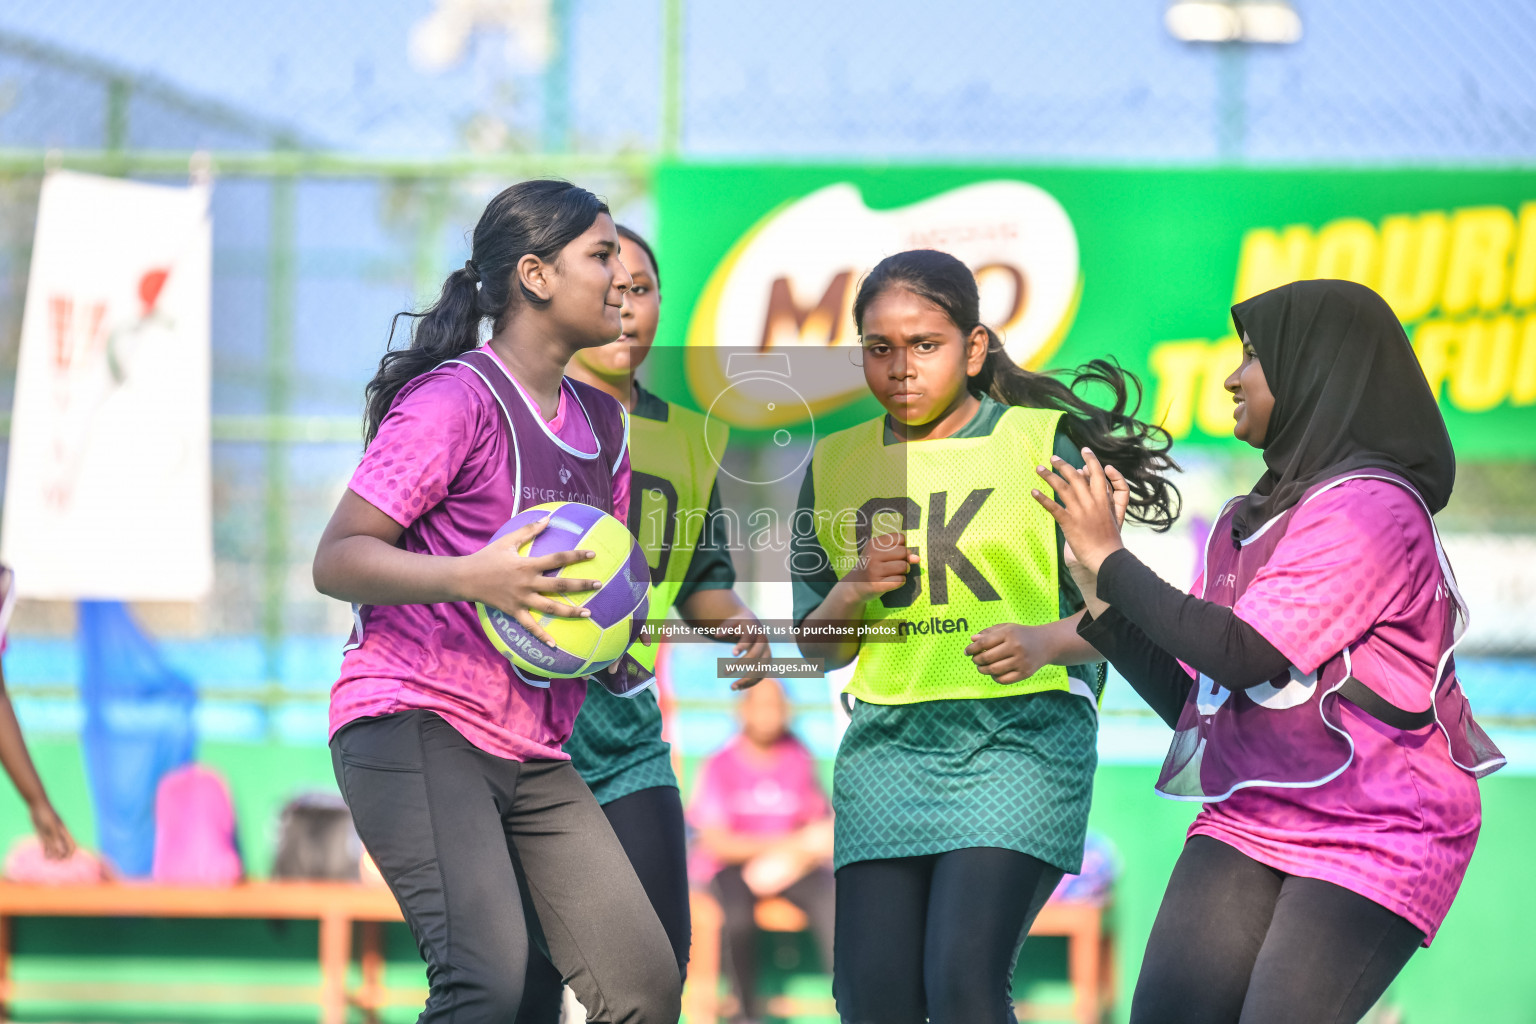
(1358, 566)
(741, 790)
(439, 467)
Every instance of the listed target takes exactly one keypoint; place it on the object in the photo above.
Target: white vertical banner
(107, 491)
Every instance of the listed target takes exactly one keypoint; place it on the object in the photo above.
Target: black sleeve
(1204, 635)
(1153, 673)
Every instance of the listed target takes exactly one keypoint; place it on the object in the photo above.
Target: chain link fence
(319, 240)
(1097, 80)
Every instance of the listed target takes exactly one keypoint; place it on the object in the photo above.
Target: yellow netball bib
(672, 471)
(988, 550)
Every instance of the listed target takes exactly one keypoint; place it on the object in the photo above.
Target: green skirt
(1014, 773)
(616, 746)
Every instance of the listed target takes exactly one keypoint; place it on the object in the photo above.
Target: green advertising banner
(1076, 263)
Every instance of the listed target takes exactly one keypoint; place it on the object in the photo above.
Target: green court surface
(1476, 972)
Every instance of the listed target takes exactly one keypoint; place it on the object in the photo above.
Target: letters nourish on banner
(1141, 264)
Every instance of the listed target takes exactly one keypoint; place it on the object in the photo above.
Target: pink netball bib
(1289, 732)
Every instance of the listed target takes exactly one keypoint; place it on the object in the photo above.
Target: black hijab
(1349, 395)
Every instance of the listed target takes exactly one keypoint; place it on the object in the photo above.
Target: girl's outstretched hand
(498, 576)
(1090, 507)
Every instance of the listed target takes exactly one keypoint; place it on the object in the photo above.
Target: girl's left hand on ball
(1090, 506)
(1010, 652)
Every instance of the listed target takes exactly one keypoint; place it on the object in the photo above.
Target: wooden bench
(1090, 960)
(337, 906)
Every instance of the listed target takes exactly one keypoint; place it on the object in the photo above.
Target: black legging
(465, 839)
(812, 894)
(935, 938)
(1236, 942)
(649, 824)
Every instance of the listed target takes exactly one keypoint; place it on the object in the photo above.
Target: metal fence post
(1231, 101)
(426, 264)
(671, 78)
(280, 302)
(557, 79)
(118, 92)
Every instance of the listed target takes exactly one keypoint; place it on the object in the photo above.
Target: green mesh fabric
(1012, 772)
(988, 549)
(617, 747)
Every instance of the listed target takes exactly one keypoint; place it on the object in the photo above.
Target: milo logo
(789, 283)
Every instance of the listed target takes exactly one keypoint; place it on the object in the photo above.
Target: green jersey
(616, 744)
(932, 774)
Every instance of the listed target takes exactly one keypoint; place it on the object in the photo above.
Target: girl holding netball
(617, 746)
(963, 782)
(1310, 683)
(449, 760)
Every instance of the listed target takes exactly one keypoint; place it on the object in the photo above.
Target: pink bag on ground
(195, 829)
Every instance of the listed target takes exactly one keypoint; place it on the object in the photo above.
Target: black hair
(536, 218)
(1137, 449)
(631, 235)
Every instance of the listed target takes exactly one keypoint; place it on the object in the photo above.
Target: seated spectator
(765, 829)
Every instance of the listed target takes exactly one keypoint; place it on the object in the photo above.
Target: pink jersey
(741, 790)
(440, 467)
(1357, 569)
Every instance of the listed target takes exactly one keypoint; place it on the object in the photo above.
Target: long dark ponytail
(532, 217)
(1137, 449)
